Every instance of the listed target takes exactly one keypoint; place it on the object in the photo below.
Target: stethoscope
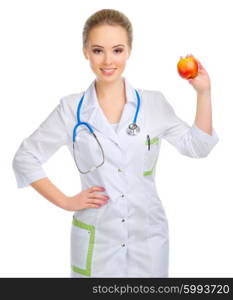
(133, 129)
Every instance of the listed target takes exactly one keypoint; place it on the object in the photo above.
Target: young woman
(114, 133)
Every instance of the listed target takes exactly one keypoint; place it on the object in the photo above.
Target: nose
(107, 59)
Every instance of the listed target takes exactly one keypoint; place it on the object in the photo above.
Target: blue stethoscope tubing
(89, 126)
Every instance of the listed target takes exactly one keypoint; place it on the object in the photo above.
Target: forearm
(203, 119)
(47, 189)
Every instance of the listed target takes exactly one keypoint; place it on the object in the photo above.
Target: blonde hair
(111, 17)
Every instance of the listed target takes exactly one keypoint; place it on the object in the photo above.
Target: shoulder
(68, 103)
(154, 99)
(70, 99)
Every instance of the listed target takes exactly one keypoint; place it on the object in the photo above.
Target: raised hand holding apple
(200, 80)
(192, 70)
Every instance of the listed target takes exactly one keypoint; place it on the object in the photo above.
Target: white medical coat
(128, 236)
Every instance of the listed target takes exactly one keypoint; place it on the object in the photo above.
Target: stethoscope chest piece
(133, 129)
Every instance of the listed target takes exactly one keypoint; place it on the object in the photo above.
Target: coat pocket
(151, 150)
(82, 246)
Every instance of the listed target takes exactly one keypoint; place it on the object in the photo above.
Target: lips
(108, 71)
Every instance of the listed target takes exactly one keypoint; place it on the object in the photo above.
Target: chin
(112, 78)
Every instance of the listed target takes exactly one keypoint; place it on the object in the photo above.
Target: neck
(108, 91)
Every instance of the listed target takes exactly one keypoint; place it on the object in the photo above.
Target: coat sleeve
(39, 147)
(189, 140)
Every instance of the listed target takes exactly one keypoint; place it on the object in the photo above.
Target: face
(107, 51)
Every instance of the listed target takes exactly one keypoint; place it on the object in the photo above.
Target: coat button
(119, 170)
(122, 195)
(123, 220)
(122, 245)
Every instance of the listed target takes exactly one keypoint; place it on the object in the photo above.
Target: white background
(42, 61)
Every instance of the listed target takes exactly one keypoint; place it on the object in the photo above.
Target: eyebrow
(112, 47)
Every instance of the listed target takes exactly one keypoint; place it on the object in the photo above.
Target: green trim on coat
(154, 140)
(150, 172)
(91, 229)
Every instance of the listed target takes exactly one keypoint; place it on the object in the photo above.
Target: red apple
(187, 67)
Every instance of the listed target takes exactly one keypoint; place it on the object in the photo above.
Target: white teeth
(108, 71)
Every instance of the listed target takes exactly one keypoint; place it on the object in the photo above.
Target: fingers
(92, 206)
(98, 196)
(96, 189)
(93, 195)
(97, 202)
(94, 199)
(199, 64)
(189, 55)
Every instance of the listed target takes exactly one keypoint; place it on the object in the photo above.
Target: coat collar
(92, 113)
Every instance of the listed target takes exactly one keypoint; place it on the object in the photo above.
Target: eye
(97, 51)
(94, 50)
(119, 50)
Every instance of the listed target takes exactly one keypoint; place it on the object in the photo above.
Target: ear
(85, 53)
(129, 53)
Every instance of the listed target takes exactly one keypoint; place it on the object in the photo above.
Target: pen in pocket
(148, 142)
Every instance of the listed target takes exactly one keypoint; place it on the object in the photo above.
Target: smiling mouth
(108, 71)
